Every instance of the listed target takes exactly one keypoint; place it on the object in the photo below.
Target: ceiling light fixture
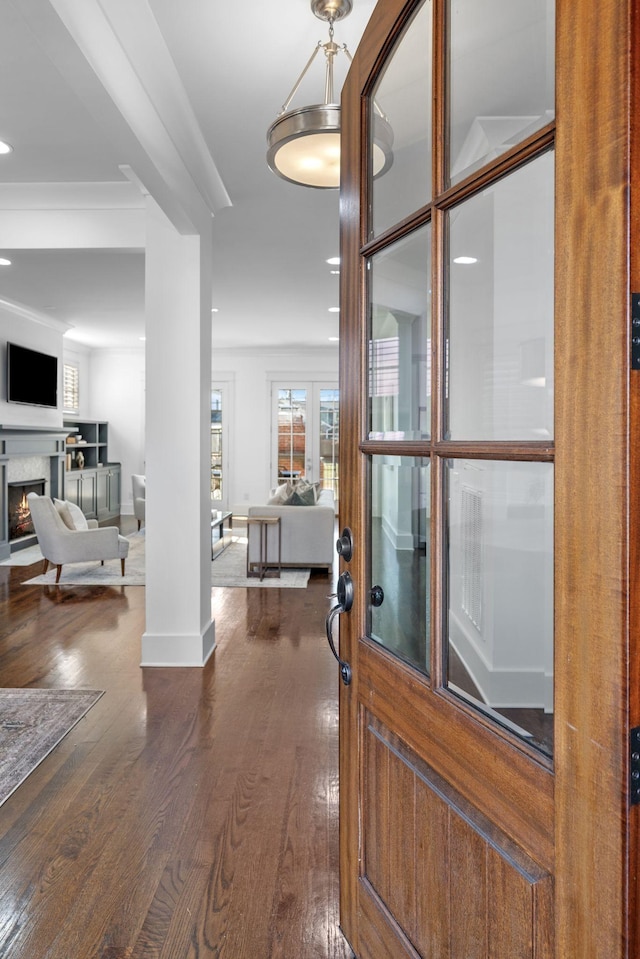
(303, 145)
(4, 261)
(5, 147)
(465, 260)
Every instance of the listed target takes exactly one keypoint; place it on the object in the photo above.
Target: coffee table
(218, 518)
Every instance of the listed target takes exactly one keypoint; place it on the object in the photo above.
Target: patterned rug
(228, 569)
(32, 723)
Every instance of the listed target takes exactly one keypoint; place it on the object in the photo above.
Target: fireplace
(20, 524)
(28, 453)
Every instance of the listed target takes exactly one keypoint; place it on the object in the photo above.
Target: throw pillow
(78, 517)
(280, 495)
(302, 497)
(303, 486)
(71, 515)
(63, 513)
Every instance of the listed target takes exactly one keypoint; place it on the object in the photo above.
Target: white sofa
(308, 533)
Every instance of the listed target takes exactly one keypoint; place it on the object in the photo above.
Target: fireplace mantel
(29, 440)
(23, 442)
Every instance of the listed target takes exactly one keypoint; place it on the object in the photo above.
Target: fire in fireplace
(20, 523)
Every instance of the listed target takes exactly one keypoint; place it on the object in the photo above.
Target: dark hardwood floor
(192, 812)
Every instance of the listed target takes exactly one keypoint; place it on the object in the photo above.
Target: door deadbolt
(344, 546)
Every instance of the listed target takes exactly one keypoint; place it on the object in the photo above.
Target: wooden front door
(488, 483)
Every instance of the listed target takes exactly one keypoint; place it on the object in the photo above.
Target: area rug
(32, 723)
(227, 569)
(230, 569)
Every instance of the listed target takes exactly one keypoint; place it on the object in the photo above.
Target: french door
(220, 419)
(306, 433)
(488, 484)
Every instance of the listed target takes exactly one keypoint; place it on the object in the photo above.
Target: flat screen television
(32, 377)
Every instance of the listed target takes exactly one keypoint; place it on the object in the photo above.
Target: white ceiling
(236, 62)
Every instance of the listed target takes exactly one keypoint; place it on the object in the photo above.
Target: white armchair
(62, 542)
(139, 494)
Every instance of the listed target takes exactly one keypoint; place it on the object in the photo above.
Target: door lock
(377, 595)
(344, 546)
(344, 604)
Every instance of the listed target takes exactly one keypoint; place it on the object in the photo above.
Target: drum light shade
(303, 145)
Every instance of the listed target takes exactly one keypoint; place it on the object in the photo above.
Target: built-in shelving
(91, 480)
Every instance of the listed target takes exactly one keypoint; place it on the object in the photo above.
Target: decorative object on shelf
(80, 460)
(304, 144)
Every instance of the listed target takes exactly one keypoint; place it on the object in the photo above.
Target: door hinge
(635, 331)
(634, 766)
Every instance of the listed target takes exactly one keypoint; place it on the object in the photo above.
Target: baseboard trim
(174, 650)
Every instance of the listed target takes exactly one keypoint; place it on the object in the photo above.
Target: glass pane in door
(500, 592)
(216, 445)
(501, 77)
(500, 342)
(329, 440)
(292, 434)
(400, 339)
(401, 105)
(400, 554)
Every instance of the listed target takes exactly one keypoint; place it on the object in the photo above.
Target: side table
(260, 568)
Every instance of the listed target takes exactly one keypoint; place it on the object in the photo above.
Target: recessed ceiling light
(5, 147)
(334, 339)
(334, 309)
(334, 272)
(334, 261)
(214, 309)
(466, 260)
(4, 261)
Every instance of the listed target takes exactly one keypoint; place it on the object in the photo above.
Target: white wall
(116, 394)
(250, 376)
(37, 332)
(112, 388)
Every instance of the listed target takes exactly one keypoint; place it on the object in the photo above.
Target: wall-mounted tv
(32, 377)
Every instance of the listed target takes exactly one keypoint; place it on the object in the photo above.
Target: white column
(179, 628)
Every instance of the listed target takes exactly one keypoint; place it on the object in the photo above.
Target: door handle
(344, 604)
